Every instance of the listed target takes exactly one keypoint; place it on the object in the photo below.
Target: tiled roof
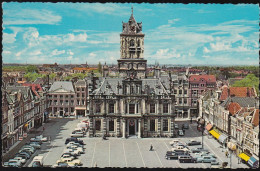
(255, 120)
(208, 78)
(236, 91)
(233, 108)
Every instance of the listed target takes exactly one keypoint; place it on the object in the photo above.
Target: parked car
(14, 163)
(176, 126)
(68, 155)
(186, 126)
(73, 146)
(193, 142)
(23, 154)
(36, 164)
(43, 139)
(186, 159)
(72, 152)
(77, 149)
(35, 145)
(206, 159)
(180, 144)
(74, 143)
(25, 151)
(6, 164)
(180, 148)
(28, 149)
(22, 160)
(171, 155)
(71, 162)
(198, 150)
(77, 134)
(174, 141)
(180, 132)
(181, 151)
(61, 164)
(75, 140)
(36, 140)
(73, 155)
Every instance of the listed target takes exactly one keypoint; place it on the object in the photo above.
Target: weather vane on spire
(132, 9)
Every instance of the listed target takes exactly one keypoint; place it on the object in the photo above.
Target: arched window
(138, 43)
(132, 42)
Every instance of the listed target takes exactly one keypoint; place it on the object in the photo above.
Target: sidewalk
(18, 145)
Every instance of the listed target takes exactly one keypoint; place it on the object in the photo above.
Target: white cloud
(36, 53)
(9, 38)
(57, 52)
(173, 21)
(108, 8)
(75, 38)
(30, 16)
(166, 54)
(219, 46)
(92, 54)
(70, 52)
(6, 52)
(205, 50)
(18, 54)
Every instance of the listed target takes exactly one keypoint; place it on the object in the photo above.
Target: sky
(76, 33)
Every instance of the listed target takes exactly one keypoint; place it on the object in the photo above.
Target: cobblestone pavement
(118, 152)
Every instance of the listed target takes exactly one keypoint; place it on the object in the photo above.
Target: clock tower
(132, 49)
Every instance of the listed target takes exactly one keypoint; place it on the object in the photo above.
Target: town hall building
(132, 105)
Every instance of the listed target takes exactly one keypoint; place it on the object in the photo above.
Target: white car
(74, 143)
(180, 148)
(71, 162)
(44, 139)
(75, 148)
(77, 134)
(72, 151)
(174, 141)
(20, 159)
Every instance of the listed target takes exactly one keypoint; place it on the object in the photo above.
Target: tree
(52, 75)
(31, 68)
(99, 68)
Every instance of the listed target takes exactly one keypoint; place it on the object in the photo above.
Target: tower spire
(132, 9)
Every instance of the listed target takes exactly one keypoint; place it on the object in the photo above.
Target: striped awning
(244, 156)
(214, 134)
(208, 127)
(253, 162)
(222, 138)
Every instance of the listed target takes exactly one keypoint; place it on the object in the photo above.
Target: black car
(171, 155)
(75, 155)
(193, 142)
(75, 140)
(181, 152)
(186, 126)
(186, 159)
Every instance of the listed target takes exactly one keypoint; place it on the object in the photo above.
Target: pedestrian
(151, 147)
(226, 153)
